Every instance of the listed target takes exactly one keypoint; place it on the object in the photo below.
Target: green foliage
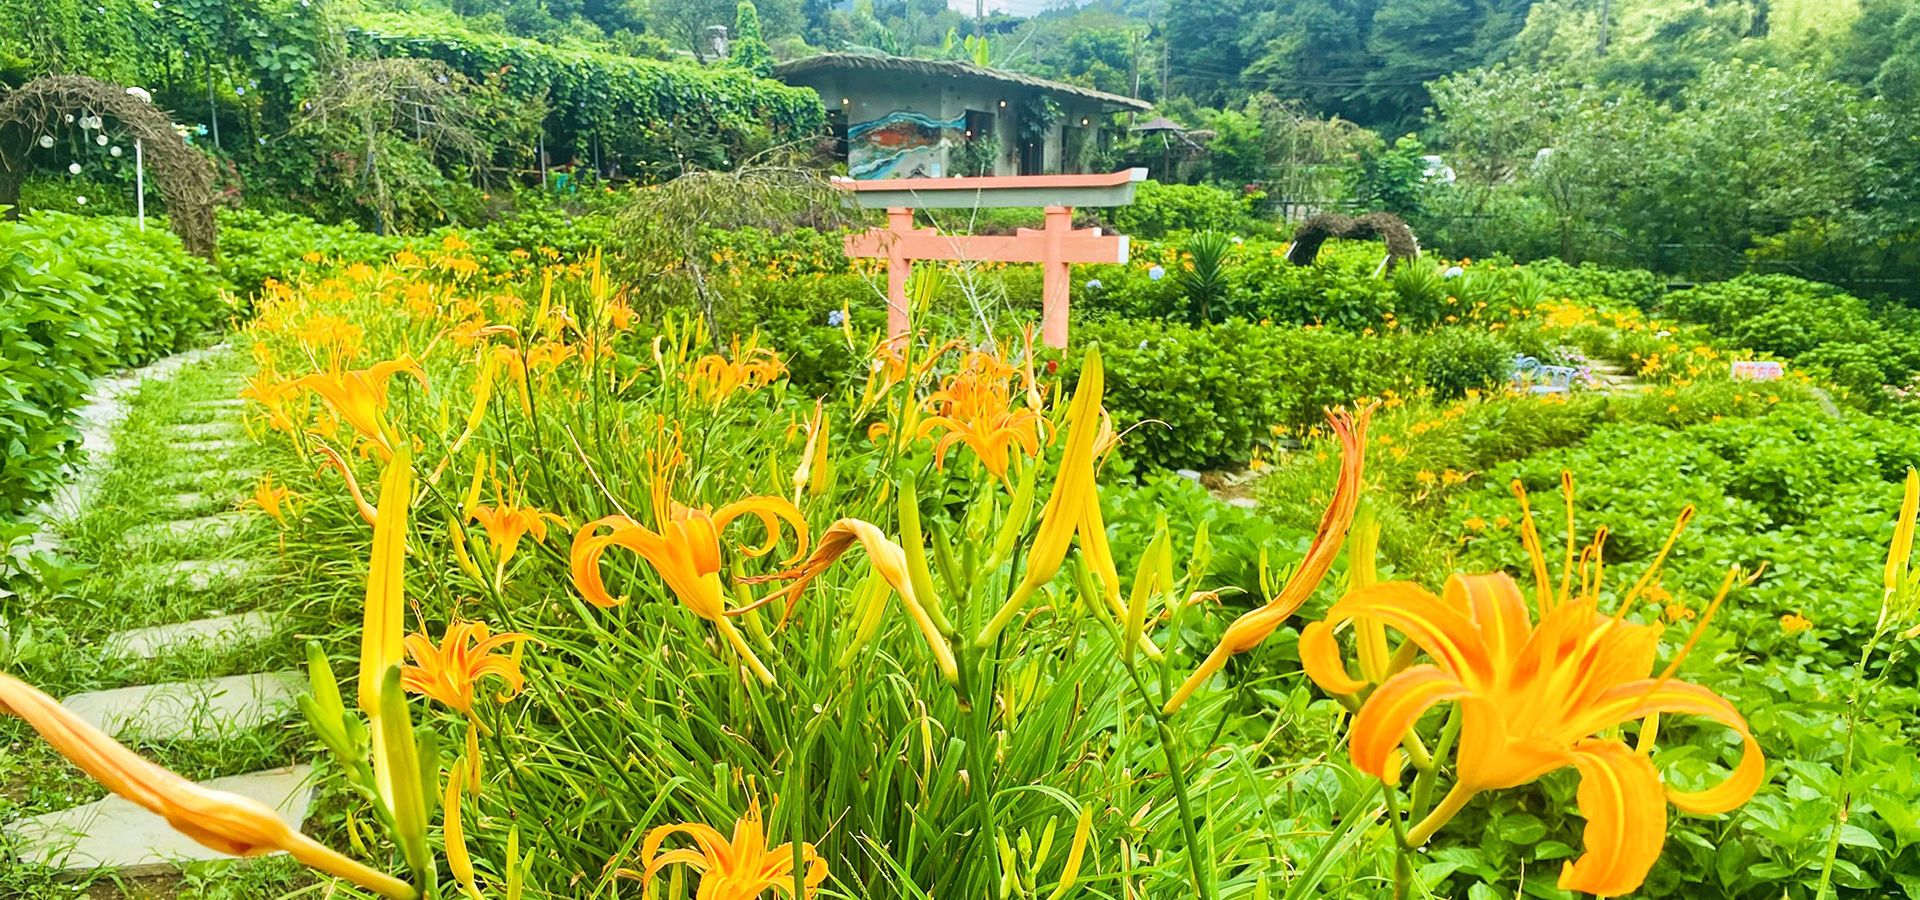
(652, 117)
(1160, 209)
(1817, 325)
(79, 296)
(748, 49)
(1205, 397)
(1392, 179)
(1203, 277)
(1455, 360)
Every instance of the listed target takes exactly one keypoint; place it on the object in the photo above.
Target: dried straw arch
(1401, 244)
(183, 174)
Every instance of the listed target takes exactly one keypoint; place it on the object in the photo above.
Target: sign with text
(1755, 370)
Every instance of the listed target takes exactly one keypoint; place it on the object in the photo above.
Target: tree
(748, 49)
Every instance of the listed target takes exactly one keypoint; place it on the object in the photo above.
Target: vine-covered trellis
(185, 176)
(1402, 246)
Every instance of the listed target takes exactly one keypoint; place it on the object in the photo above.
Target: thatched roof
(946, 68)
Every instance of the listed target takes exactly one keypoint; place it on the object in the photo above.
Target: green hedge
(1819, 326)
(646, 113)
(79, 296)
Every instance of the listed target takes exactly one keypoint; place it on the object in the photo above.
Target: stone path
(1612, 377)
(113, 834)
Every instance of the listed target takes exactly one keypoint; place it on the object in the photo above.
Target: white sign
(1753, 370)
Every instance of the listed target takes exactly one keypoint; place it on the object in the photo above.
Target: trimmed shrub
(78, 296)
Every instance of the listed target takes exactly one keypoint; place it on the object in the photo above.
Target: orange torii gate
(1056, 246)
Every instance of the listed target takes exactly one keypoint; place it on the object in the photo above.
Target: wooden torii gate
(1056, 246)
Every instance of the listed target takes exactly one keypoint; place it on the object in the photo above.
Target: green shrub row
(79, 296)
(645, 113)
(1819, 326)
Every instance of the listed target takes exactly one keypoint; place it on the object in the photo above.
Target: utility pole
(1606, 14)
(980, 19)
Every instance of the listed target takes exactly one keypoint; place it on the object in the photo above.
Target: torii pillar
(1056, 246)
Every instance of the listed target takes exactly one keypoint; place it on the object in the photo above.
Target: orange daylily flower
(973, 407)
(887, 558)
(220, 821)
(450, 672)
(272, 392)
(1533, 699)
(714, 377)
(274, 500)
(359, 397)
(506, 524)
(685, 551)
(1255, 625)
(742, 869)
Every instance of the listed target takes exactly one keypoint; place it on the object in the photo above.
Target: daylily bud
(1076, 853)
(403, 788)
(913, 541)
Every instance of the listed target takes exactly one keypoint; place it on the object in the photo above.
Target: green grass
(106, 584)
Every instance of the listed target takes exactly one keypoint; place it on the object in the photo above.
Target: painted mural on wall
(900, 144)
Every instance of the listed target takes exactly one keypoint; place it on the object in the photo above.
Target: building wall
(904, 126)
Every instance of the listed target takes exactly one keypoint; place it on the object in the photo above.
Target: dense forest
(1673, 134)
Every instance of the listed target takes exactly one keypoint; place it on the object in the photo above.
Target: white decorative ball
(115, 152)
(82, 201)
(73, 168)
(100, 139)
(46, 140)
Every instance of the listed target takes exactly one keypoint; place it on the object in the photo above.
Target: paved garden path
(190, 555)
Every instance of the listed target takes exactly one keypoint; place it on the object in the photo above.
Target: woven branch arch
(183, 174)
(1401, 244)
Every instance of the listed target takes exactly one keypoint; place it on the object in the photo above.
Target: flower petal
(1393, 710)
(1626, 817)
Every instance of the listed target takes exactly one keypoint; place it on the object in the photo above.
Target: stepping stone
(203, 574)
(207, 430)
(222, 403)
(115, 834)
(192, 502)
(222, 446)
(217, 633)
(191, 710)
(217, 527)
(202, 478)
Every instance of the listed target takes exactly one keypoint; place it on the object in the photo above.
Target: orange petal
(1626, 819)
(1498, 609)
(1436, 626)
(1393, 710)
(1320, 657)
(1640, 699)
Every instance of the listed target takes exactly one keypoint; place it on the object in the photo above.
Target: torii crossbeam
(1056, 246)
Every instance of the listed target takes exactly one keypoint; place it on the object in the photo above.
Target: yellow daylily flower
(741, 869)
(359, 398)
(686, 554)
(272, 392)
(450, 672)
(227, 823)
(1536, 698)
(506, 524)
(1255, 625)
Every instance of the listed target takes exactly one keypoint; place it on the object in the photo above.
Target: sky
(1012, 7)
